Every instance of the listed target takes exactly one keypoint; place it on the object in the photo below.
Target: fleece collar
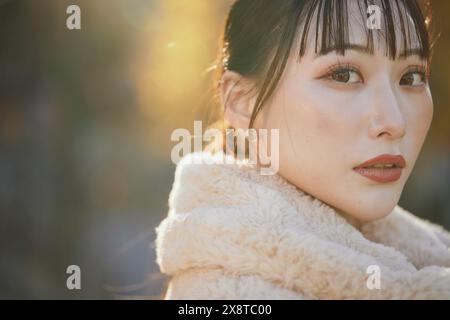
(228, 216)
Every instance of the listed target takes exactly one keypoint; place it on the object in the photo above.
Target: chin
(375, 210)
(373, 205)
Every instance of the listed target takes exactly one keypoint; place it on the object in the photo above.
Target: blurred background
(85, 123)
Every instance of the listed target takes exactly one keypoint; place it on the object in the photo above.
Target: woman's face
(336, 112)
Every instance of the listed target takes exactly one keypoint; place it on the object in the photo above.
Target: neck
(357, 224)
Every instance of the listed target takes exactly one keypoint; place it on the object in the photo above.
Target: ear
(236, 99)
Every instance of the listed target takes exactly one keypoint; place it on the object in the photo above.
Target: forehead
(384, 28)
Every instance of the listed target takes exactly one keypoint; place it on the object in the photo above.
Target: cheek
(317, 130)
(419, 115)
(322, 120)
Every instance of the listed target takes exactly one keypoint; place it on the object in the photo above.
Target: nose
(387, 119)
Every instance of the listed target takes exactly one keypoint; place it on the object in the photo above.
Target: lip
(379, 174)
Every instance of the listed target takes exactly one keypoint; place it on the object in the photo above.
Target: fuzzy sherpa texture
(232, 233)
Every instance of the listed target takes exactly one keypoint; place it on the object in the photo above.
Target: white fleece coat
(232, 233)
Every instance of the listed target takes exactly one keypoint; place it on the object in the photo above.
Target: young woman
(345, 83)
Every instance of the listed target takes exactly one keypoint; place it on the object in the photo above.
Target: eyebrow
(366, 50)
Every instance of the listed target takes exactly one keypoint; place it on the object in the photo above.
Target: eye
(344, 75)
(414, 78)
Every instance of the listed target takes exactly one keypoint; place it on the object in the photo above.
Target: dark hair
(259, 35)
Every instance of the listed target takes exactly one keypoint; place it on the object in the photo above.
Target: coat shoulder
(215, 284)
(423, 242)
